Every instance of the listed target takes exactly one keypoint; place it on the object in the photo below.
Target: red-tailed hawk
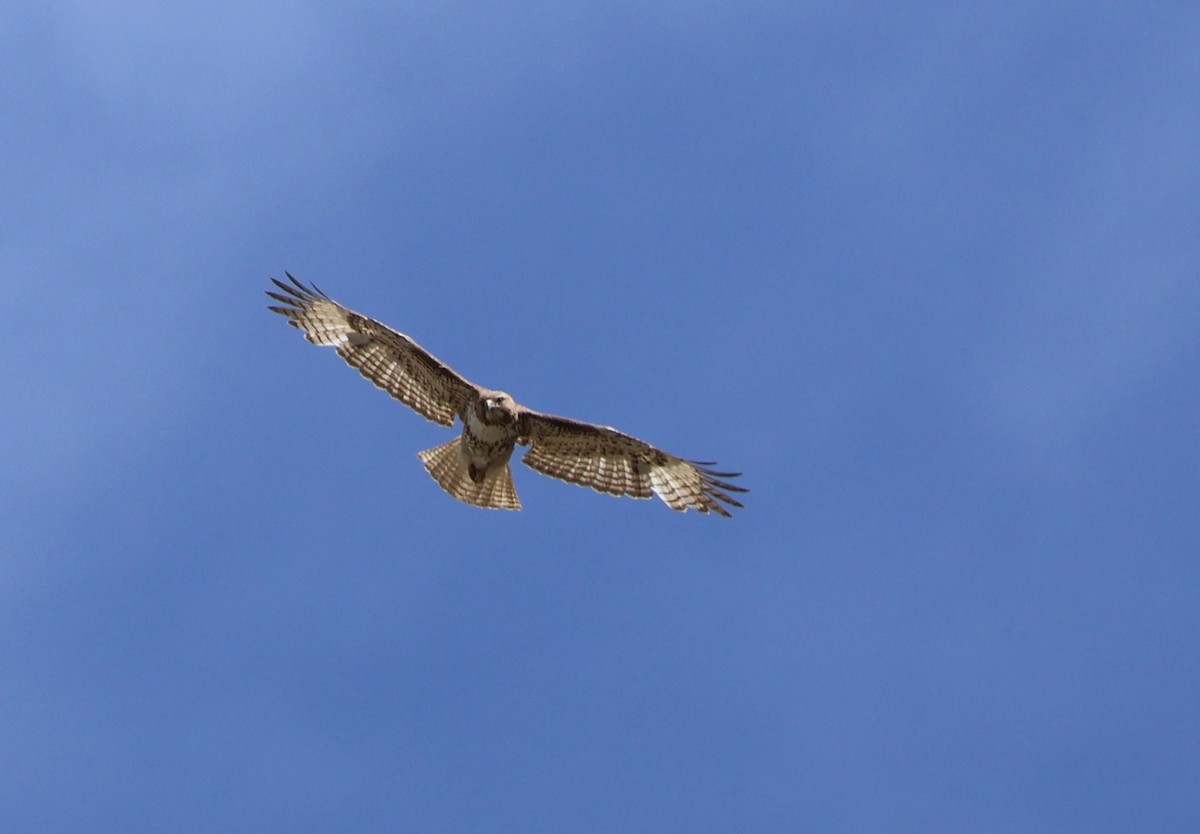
(474, 467)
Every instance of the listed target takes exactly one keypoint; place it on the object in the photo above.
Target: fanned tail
(448, 466)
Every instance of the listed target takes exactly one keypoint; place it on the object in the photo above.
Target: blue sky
(926, 274)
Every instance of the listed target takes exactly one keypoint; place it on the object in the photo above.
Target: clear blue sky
(927, 273)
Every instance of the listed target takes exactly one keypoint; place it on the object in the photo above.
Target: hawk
(474, 466)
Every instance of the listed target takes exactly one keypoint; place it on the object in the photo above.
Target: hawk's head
(496, 409)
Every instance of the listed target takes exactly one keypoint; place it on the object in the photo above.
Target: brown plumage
(474, 467)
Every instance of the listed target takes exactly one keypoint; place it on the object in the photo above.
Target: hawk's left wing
(610, 461)
(391, 360)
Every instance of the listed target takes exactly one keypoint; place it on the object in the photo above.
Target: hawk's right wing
(611, 461)
(391, 360)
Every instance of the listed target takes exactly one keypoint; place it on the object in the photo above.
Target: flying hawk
(474, 467)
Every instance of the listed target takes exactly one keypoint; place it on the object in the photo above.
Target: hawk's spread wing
(389, 359)
(609, 461)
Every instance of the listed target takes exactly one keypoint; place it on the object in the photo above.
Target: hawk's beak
(493, 413)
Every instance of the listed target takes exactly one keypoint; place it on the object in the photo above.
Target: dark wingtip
(715, 478)
(718, 509)
(283, 299)
(714, 486)
(296, 290)
(310, 291)
(728, 499)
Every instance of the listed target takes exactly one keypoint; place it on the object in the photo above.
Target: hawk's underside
(474, 466)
